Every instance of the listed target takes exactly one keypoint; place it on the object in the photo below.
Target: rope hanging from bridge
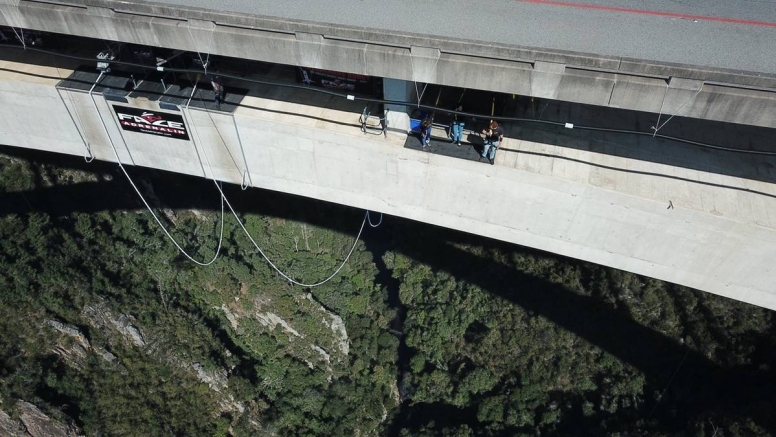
(131, 182)
(245, 230)
(370, 220)
(196, 46)
(20, 38)
(433, 70)
(659, 126)
(79, 126)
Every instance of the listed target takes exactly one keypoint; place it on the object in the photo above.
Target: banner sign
(151, 122)
(335, 79)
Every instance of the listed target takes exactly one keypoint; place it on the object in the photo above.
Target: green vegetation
(425, 331)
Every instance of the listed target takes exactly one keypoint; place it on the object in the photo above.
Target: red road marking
(656, 13)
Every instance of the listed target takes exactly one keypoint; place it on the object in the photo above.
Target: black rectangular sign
(151, 122)
(336, 79)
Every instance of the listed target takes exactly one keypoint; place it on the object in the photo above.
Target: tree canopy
(425, 331)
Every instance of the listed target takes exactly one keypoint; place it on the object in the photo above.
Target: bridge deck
(728, 34)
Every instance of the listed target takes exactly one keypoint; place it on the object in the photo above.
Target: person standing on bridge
(425, 130)
(456, 129)
(493, 136)
(218, 90)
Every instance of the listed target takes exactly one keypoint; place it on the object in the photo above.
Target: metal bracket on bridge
(372, 123)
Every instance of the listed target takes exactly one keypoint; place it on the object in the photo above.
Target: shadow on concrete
(645, 147)
(625, 145)
(694, 385)
(470, 149)
(646, 173)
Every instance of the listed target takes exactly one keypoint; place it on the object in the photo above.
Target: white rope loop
(433, 69)
(196, 47)
(164, 229)
(245, 230)
(370, 220)
(243, 186)
(660, 126)
(224, 200)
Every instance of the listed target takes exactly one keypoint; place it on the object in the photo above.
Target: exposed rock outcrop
(272, 320)
(102, 316)
(38, 424)
(10, 427)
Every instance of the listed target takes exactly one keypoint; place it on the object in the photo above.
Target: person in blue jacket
(425, 130)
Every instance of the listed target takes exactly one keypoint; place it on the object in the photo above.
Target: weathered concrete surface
(575, 77)
(720, 237)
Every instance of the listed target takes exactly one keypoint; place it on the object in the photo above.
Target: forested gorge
(105, 329)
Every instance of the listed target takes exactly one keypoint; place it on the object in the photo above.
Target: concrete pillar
(424, 63)
(398, 116)
(308, 49)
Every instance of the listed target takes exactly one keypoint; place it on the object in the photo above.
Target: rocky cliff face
(32, 422)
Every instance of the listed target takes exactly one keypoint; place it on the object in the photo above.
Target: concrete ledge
(448, 45)
(638, 93)
(546, 78)
(575, 77)
(584, 86)
(509, 77)
(734, 104)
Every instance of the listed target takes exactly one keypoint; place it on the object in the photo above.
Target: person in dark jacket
(218, 90)
(493, 136)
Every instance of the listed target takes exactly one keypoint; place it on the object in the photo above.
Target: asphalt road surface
(731, 34)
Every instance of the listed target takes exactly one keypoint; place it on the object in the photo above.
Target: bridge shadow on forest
(698, 388)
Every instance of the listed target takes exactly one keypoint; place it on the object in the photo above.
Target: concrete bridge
(599, 197)
(693, 216)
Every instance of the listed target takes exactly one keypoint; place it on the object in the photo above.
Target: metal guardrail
(373, 124)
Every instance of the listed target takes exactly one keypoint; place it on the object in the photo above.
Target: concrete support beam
(261, 45)
(424, 64)
(680, 95)
(395, 62)
(481, 73)
(584, 86)
(638, 93)
(201, 33)
(735, 105)
(545, 79)
(308, 49)
(397, 116)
